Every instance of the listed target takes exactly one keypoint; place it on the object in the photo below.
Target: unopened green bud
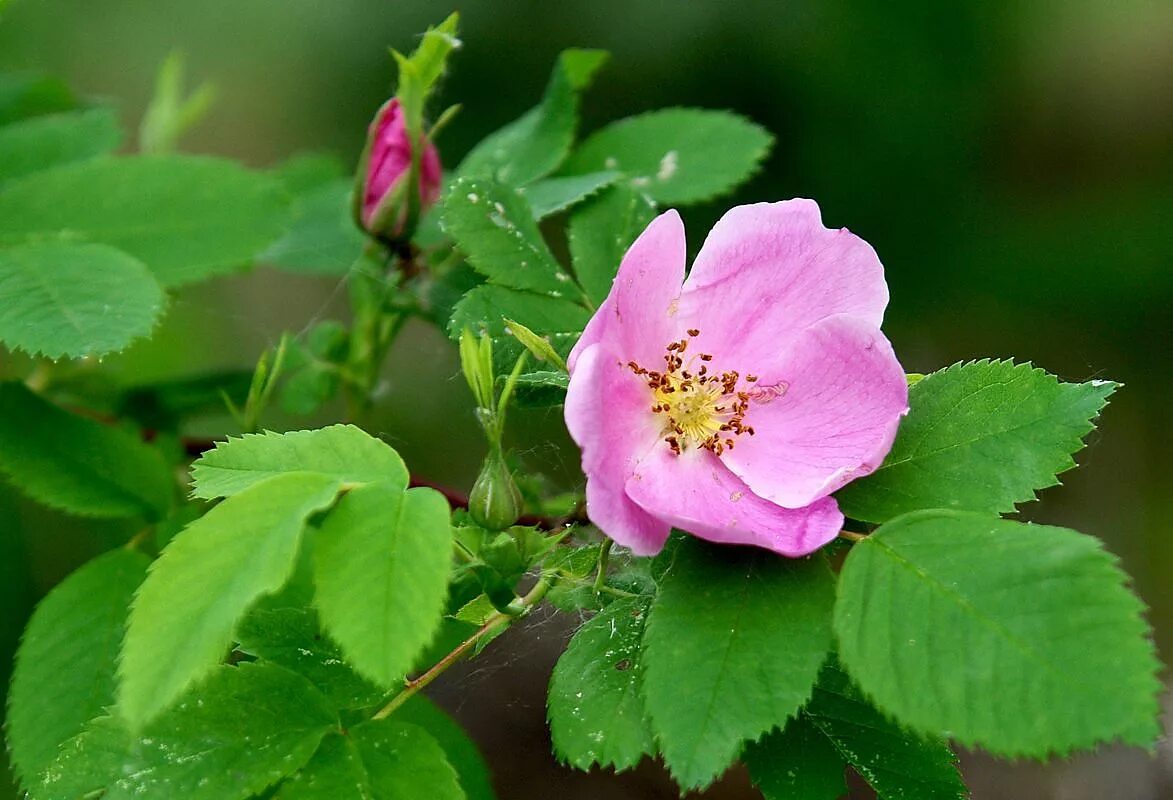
(495, 502)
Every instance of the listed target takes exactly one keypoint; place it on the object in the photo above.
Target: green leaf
(76, 464)
(838, 727)
(493, 225)
(796, 763)
(552, 195)
(382, 557)
(292, 638)
(677, 155)
(381, 760)
(309, 388)
(477, 611)
(203, 583)
(462, 753)
(244, 730)
(304, 172)
(65, 299)
(322, 238)
(339, 451)
(185, 217)
(980, 436)
(1020, 638)
(64, 673)
(485, 309)
(894, 762)
(541, 389)
(533, 145)
(23, 96)
(596, 706)
(312, 367)
(447, 282)
(733, 645)
(600, 233)
(48, 141)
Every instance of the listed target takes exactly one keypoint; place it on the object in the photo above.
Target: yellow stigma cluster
(701, 409)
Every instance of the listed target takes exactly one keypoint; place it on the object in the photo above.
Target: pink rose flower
(389, 163)
(731, 404)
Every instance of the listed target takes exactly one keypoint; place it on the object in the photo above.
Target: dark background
(1011, 163)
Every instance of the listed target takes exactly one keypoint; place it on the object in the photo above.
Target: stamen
(701, 409)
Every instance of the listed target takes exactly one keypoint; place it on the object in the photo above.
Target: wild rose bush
(787, 551)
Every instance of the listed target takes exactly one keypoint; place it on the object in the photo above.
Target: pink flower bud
(388, 164)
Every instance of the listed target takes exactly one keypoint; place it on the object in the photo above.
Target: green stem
(611, 590)
(415, 686)
(852, 536)
(377, 323)
(136, 541)
(604, 557)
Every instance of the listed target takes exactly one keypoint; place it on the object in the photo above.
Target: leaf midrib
(700, 737)
(964, 602)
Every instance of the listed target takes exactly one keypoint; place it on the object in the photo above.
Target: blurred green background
(1011, 163)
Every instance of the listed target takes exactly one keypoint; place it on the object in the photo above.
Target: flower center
(700, 408)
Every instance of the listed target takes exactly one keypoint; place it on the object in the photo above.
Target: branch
(413, 687)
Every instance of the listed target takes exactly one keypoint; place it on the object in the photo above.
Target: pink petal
(770, 270)
(390, 156)
(390, 160)
(638, 316)
(431, 175)
(608, 415)
(694, 491)
(844, 395)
